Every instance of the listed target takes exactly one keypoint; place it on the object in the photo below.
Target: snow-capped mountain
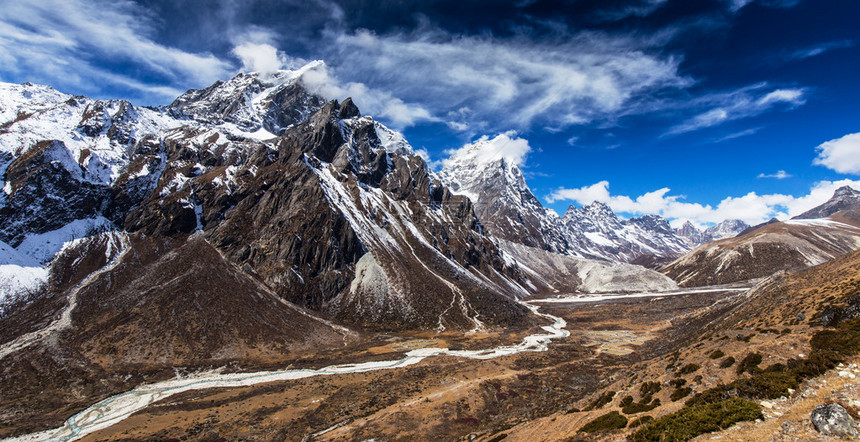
(844, 198)
(332, 210)
(821, 234)
(600, 233)
(253, 102)
(329, 210)
(508, 209)
(726, 229)
(503, 201)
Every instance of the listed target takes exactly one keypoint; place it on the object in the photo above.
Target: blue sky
(700, 110)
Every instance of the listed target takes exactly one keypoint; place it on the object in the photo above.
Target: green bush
(641, 421)
(680, 393)
(602, 400)
(816, 364)
(678, 383)
(844, 341)
(717, 354)
(750, 364)
(690, 422)
(727, 362)
(687, 369)
(609, 421)
(765, 385)
(641, 407)
(627, 400)
(649, 389)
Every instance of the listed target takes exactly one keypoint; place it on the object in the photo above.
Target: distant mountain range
(326, 209)
(508, 209)
(818, 235)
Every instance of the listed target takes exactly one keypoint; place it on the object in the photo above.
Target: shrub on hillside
(690, 422)
(749, 364)
(716, 354)
(727, 362)
(609, 421)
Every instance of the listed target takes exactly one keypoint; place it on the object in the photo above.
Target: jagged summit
(844, 198)
(254, 101)
(331, 210)
(487, 172)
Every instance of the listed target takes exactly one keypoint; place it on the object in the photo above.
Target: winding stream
(116, 408)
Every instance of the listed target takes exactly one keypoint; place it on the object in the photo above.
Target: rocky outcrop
(834, 420)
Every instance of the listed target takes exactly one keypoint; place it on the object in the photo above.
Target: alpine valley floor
(445, 396)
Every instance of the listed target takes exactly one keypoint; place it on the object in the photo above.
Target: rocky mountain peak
(846, 192)
(844, 198)
(253, 101)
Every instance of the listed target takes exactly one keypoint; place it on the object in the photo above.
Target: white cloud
(262, 58)
(841, 154)
(751, 208)
(813, 51)
(64, 42)
(486, 150)
(740, 134)
(382, 104)
(743, 103)
(510, 82)
(780, 175)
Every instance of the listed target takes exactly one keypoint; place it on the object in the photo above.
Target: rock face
(833, 315)
(503, 202)
(844, 198)
(298, 211)
(772, 247)
(834, 420)
(252, 101)
(601, 234)
(509, 210)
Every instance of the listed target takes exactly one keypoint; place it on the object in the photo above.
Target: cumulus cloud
(485, 150)
(751, 208)
(780, 175)
(841, 154)
(514, 82)
(67, 42)
(742, 103)
(378, 103)
(262, 58)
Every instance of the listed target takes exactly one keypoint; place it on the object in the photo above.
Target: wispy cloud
(751, 208)
(516, 82)
(379, 103)
(734, 135)
(639, 8)
(743, 103)
(736, 5)
(69, 41)
(819, 49)
(841, 154)
(780, 175)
